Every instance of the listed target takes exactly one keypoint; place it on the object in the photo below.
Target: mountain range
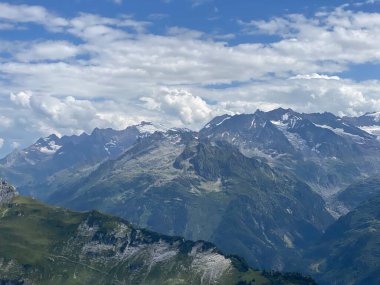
(267, 186)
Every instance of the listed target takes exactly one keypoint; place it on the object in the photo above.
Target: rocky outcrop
(7, 192)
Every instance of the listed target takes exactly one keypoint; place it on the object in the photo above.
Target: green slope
(40, 244)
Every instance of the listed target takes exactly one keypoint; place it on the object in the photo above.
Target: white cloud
(21, 98)
(315, 76)
(341, 36)
(31, 14)
(48, 50)
(6, 26)
(180, 103)
(5, 122)
(46, 114)
(15, 145)
(1, 142)
(344, 97)
(196, 3)
(117, 73)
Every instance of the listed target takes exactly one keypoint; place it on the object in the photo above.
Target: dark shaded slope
(360, 191)
(349, 251)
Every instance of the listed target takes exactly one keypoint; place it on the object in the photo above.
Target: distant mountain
(176, 183)
(52, 159)
(325, 151)
(321, 149)
(40, 244)
(251, 183)
(349, 252)
(369, 122)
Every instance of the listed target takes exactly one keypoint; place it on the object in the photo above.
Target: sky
(67, 67)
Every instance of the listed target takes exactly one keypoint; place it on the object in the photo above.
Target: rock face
(323, 150)
(49, 245)
(175, 183)
(7, 192)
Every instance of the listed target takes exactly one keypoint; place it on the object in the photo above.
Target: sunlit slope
(49, 245)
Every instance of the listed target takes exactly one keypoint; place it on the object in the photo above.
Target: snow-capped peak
(150, 128)
(51, 148)
(288, 118)
(48, 145)
(374, 115)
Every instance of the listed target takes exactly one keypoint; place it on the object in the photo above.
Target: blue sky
(209, 16)
(70, 66)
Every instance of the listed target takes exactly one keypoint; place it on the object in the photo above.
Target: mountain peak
(150, 128)
(280, 109)
(374, 115)
(48, 145)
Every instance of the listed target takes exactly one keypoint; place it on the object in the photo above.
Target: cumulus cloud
(1, 142)
(180, 103)
(113, 72)
(21, 98)
(343, 97)
(46, 114)
(341, 36)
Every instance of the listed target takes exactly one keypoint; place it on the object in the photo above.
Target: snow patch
(338, 131)
(149, 128)
(252, 123)
(373, 130)
(51, 148)
(288, 242)
(375, 115)
(279, 123)
(294, 138)
(221, 122)
(285, 117)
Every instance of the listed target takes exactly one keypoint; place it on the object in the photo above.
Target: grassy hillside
(40, 244)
